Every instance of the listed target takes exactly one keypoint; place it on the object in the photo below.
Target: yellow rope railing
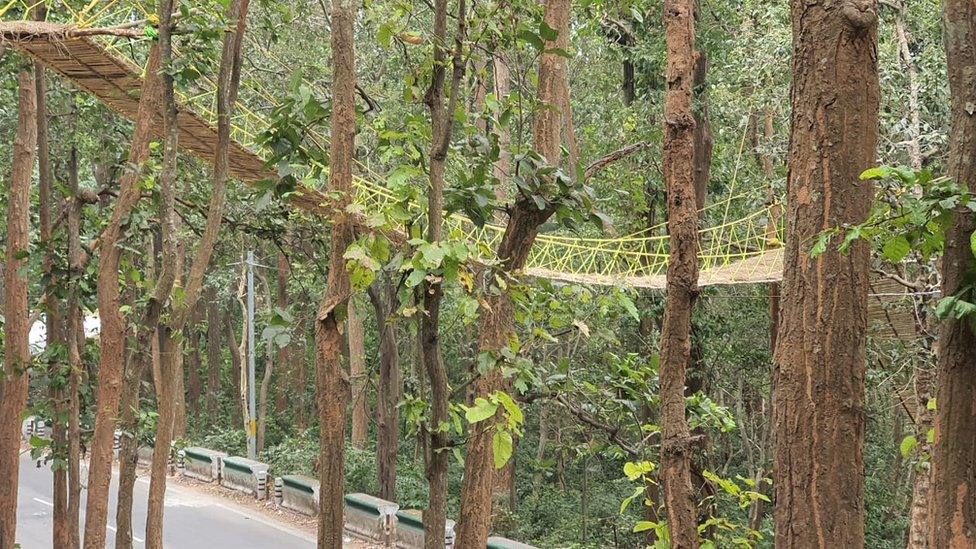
(734, 249)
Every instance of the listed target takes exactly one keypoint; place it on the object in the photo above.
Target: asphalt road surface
(193, 519)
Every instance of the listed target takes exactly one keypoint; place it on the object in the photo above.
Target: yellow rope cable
(638, 255)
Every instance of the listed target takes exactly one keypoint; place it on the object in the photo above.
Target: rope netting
(737, 251)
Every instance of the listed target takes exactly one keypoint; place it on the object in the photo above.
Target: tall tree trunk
(285, 374)
(919, 525)
(54, 320)
(332, 379)
(194, 383)
(214, 325)
(112, 330)
(703, 141)
(953, 493)
(76, 342)
(820, 356)
(682, 287)
(17, 357)
(269, 368)
(171, 397)
(382, 295)
(357, 374)
(497, 324)
(165, 378)
(236, 362)
(442, 124)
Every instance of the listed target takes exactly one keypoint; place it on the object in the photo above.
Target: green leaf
(908, 445)
(897, 248)
(644, 526)
(501, 446)
(821, 246)
(628, 304)
(482, 410)
(875, 173)
(547, 32)
(972, 243)
(511, 407)
(954, 307)
(532, 39)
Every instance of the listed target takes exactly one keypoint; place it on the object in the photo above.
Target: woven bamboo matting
(118, 83)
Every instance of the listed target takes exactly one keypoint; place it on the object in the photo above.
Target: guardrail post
(279, 487)
(262, 490)
(181, 460)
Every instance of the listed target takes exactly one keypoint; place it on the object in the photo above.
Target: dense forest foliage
(402, 347)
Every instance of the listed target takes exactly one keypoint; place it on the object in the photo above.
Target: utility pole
(252, 452)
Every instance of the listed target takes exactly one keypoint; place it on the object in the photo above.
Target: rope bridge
(81, 41)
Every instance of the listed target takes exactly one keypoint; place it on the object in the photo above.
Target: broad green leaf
(511, 406)
(482, 410)
(501, 446)
(896, 249)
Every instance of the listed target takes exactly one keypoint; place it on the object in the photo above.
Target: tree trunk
(17, 357)
(682, 288)
(819, 415)
(194, 384)
(213, 354)
(170, 394)
(285, 374)
(128, 456)
(357, 373)
(236, 362)
(76, 342)
(703, 140)
(332, 379)
(953, 491)
(497, 323)
(169, 348)
(919, 525)
(54, 320)
(442, 123)
(269, 367)
(112, 331)
(382, 295)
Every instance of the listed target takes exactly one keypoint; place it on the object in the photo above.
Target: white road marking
(48, 503)
(134, 538)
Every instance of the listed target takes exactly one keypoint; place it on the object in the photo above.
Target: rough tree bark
(54, 319)
(112, 331)
(165, 378)
(76, 342)
(682, 287)
(332, 380)
(442, 124)
(918, 526)
(953, 492)
(497, 323)
(382, 295)
(819, 361)
(357, 374)
(171, 345)
(213, 353)
(17, 357)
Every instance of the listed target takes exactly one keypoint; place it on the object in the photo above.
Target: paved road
(193, 519)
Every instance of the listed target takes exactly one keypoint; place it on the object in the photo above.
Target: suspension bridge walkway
(100, 46)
